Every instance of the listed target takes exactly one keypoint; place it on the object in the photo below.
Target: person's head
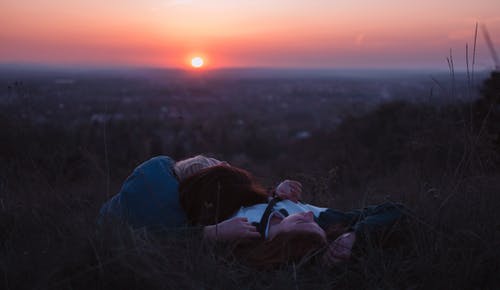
(283, 248)
(294, 238)
(214, 194)
(190, 166)
(297, 223)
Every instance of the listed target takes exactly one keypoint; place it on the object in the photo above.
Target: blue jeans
(368, 220)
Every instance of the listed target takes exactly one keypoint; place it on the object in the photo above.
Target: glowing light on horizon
(197, 62)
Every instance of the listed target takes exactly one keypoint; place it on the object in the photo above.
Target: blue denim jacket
(148, 198)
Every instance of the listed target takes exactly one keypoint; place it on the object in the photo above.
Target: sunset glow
(197, 62)
(244, 33)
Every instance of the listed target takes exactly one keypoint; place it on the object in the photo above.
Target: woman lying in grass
(149, 197)
(282, 230)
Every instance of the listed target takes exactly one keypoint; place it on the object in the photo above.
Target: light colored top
(254, 213)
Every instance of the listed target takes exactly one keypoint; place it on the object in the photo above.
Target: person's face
(300, 222)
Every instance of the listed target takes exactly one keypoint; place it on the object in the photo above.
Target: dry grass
(426, 157)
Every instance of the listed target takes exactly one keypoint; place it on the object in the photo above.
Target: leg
(377, 223)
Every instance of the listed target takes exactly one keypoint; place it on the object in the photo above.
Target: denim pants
(365, 221)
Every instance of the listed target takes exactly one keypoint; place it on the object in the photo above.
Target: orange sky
(246, 33)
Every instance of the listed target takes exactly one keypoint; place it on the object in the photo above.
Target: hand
(232, 229)
(289, 189)
(340, 250)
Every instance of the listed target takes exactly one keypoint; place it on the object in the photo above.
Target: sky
(248, 33)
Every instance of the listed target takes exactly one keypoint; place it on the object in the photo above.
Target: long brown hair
(214, 194)
(284, 248)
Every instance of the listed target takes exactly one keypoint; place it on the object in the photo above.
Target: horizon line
(80, 67)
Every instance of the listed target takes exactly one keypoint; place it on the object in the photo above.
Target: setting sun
(197, 62)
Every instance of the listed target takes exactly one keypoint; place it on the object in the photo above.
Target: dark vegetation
(68, 142)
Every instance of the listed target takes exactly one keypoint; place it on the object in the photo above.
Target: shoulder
(159, 162)
(159, 168)
(149, 196)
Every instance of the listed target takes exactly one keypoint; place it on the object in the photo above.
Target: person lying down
(149, 197)
(280, 231)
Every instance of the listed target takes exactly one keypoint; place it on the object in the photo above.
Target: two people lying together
(267, 228)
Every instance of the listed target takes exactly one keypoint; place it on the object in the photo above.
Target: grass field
(442, 161)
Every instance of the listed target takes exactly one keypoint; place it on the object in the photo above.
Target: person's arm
(377, 218)
(289, 189)
(339, 250)
(231, 229)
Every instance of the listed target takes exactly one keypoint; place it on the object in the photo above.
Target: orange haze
(245, 33)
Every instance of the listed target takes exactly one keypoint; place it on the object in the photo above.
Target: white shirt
(254, 213)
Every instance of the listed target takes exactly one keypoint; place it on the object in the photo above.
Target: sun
(197, 62)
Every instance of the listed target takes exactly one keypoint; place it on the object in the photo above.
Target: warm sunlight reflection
(197, 62)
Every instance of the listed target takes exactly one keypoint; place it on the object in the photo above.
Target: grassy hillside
(442, 161)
